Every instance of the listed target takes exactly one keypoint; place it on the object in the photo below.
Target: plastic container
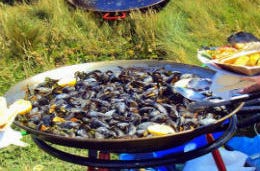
(234, 161)
(195, 143)
(249, 146)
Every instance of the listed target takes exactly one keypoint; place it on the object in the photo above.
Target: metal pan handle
(201, 105)
(249, 121)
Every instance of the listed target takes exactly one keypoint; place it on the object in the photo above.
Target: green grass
(46, 34)
(28, 158)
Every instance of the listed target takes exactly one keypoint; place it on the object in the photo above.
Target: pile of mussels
(115, 104)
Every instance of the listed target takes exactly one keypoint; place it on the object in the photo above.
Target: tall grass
(44, 34)
(50, 33)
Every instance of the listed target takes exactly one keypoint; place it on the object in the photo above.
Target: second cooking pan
(109, 7)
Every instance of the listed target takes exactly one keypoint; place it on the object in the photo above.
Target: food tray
(239, 69)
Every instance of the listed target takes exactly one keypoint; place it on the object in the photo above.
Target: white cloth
(234, 161)
(10, 136)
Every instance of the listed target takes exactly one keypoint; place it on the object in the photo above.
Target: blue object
(117, 5)
(195, 143)
(249, 146)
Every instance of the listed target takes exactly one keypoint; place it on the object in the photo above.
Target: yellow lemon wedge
(58, 119)
(67, 82)
(21, 106)
(159, 129)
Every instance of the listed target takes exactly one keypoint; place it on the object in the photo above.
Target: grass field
(46, 34)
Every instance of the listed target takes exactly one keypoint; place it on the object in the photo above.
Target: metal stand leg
(106, 156)
(216, 155)
(101, 155)
(92, 154)
(174, 157)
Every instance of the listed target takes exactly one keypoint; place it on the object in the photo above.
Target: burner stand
(169, 159)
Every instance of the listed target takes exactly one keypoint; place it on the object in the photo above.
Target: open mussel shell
(199, 84)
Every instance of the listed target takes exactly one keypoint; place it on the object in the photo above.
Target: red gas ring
(107, 16)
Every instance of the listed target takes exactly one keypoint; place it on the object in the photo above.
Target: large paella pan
(153, 71)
